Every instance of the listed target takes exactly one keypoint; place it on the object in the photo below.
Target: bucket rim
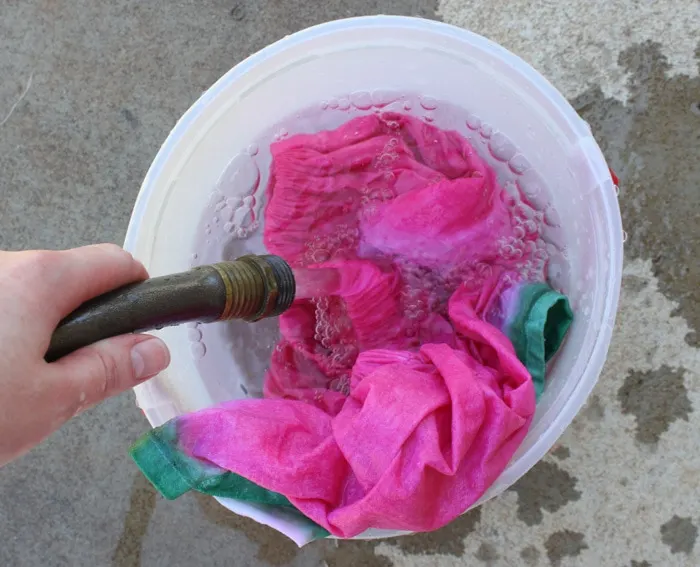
(613, 223)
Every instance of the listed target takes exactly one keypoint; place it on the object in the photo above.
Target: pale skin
(38, 289)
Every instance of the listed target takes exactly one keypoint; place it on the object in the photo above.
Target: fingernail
(149, 357)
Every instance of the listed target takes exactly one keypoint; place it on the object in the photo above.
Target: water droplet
(429, 117)
(533, 186)
(383, 97)
(617, 190)
(319, 256)
(473, 121)
(253, 149)
(333, 103)
(530, 227)
(324, 105)
(344, 103)
(551, 217)
(195, 256)
(484, 270)
(624, 236)
(511, 189)
(501, 147)
(555, 237)
(529, 185)
(428, 102)
(525, 212)
(198, 350)
(519, 164)
(361, 100)
(486, 130)
(241, 176)
(229, 227)
(407, 105)
(194, 334)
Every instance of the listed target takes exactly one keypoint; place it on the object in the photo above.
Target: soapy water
(231, 226)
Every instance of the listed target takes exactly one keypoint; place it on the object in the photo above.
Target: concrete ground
(88, 91)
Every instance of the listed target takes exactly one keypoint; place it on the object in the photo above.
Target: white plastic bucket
(402, 54)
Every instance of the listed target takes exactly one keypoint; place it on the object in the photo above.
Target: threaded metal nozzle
(256, 287)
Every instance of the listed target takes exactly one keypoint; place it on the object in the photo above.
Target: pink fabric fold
(391, 403)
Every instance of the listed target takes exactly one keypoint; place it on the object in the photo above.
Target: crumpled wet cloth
(392, 401)
(536, 319)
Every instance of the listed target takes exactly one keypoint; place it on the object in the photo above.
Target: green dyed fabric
(173, 473)
(538, 329)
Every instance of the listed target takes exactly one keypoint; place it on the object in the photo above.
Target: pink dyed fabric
(391, 403)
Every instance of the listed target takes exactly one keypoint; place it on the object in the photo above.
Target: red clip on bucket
(615, 179)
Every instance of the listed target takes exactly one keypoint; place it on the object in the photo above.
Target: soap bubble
(531, 227)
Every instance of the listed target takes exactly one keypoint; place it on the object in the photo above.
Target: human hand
(38, 289)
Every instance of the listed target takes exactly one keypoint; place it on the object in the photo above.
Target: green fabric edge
(538, 329)
(173, 473)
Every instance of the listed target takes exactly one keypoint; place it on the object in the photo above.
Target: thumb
(106, 368)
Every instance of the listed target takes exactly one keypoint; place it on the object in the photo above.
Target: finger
(62, 280)
(106, 368)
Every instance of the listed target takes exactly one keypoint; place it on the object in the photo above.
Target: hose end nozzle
(256, 287)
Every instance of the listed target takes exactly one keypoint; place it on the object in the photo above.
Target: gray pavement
(93, 89)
